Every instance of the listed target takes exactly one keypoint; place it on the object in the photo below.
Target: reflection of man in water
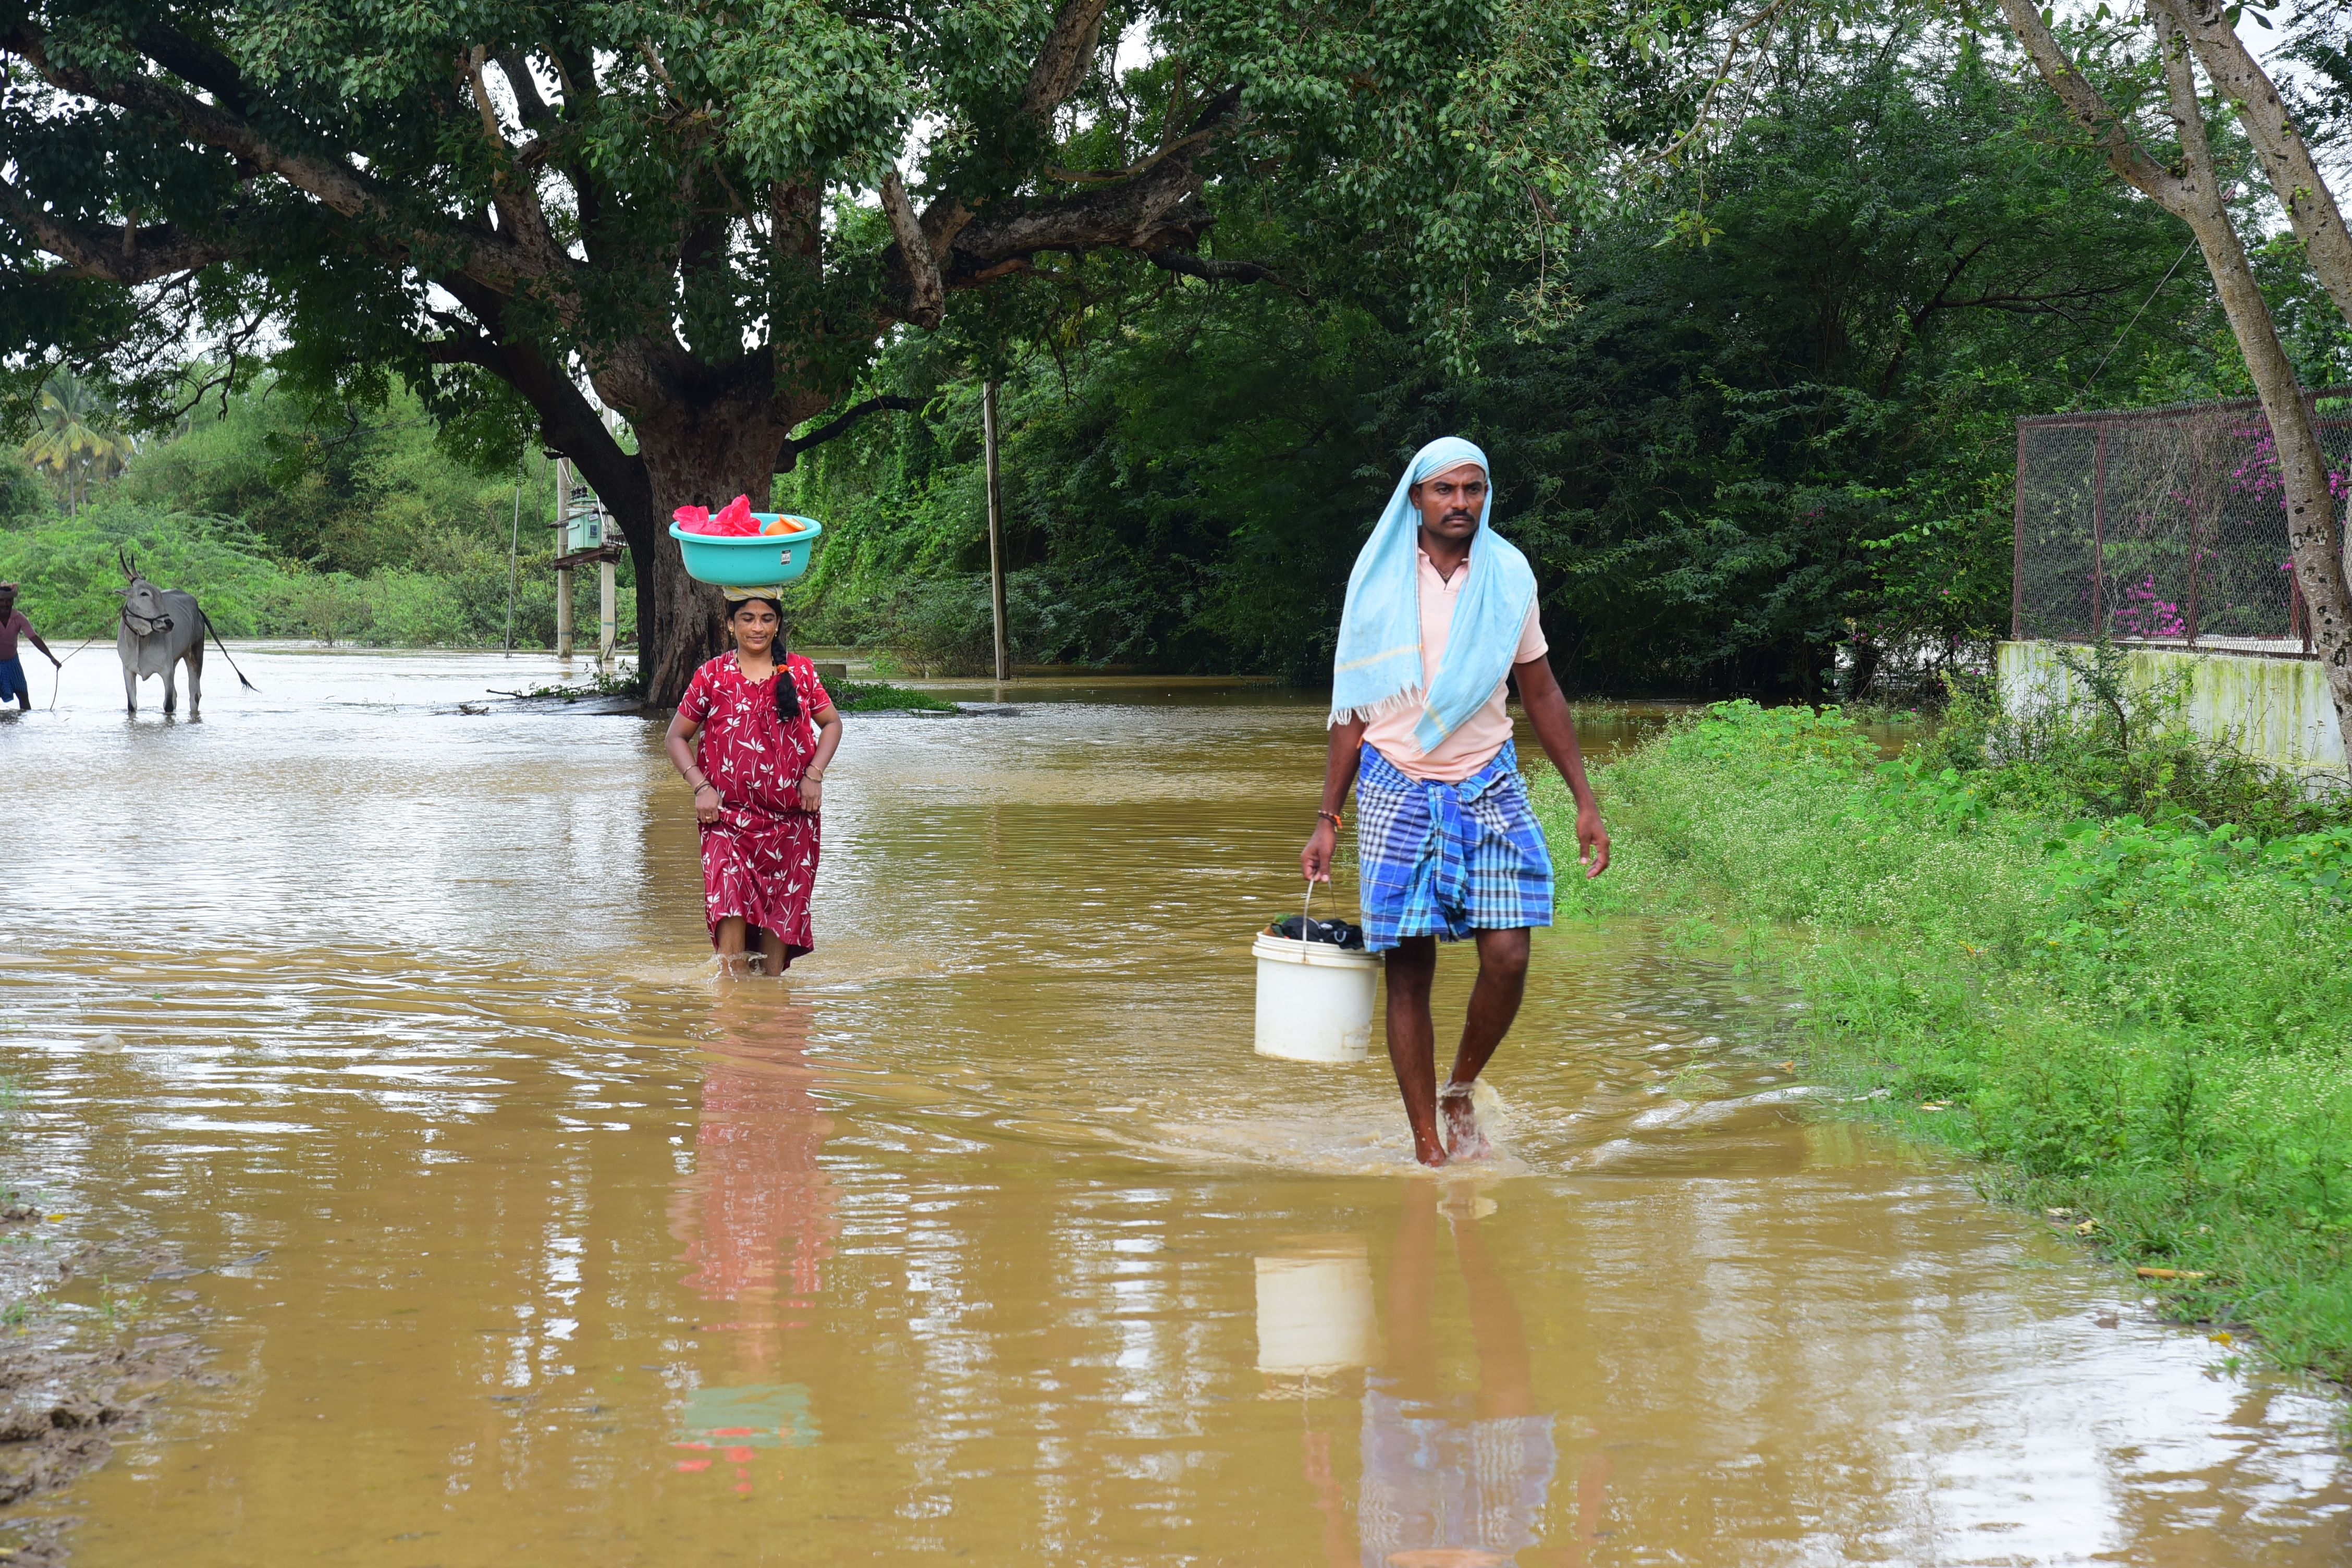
(1458, 1479)
(1451, 1480)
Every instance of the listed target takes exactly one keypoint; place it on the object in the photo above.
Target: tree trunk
(2311, 530)
(2294, 176)
(703, 457)
(2193, 193)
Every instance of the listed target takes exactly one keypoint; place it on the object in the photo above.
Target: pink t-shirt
(1480, 736)
(12, 627)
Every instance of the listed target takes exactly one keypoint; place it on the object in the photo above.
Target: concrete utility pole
(995, 530)
(562, 548)
(608, 625)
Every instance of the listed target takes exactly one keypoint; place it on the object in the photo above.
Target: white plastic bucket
(1314, 1000)
(1314, 1309)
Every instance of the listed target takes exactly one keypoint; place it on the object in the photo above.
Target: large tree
(713, 213)
(2150, 124)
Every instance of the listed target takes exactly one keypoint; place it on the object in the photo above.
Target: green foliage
(24, 500)
(880, 697)
(286, 520)
(70, 576)
(338, 488)
(1727, 461)
(2145, 1020)
(623, 680)
(2116, 747)
(76, 438)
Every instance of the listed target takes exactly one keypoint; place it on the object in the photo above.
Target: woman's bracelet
(703, 786)
(1333, 818)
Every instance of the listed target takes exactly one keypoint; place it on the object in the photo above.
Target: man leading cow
(1440, 611)
(13, 625)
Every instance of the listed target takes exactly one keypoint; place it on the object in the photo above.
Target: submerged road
(984, 1236)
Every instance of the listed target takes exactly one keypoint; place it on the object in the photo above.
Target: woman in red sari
(753, 740)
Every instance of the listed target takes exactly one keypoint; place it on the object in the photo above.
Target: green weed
(621, 680)
(876, 697)
(2142, 1017)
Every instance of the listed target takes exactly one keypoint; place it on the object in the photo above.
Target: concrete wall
(2276, 708)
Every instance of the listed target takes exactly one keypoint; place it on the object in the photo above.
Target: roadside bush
(2145, 1020)
(2113, 746)
(72, 579)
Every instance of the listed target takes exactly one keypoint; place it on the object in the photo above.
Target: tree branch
(516, 67)
(1161, 211)
(199, 65)
(568, 422)
(1721, 74)
(2294, 175)
(1103, 176)
(118, 253)
(1069, 50)
(2087, 109)
(1060, 66)
(332, 181)
(1169, 259)
(925, 294)
(790, 453)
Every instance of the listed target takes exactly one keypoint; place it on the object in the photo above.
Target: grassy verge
(2143, 1019)
(879, 697)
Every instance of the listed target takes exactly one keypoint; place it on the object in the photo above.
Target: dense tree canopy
(715, 215)
(1778, 419)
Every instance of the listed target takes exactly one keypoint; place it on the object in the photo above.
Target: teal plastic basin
(754, 562)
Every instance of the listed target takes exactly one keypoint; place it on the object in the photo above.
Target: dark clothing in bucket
(1338, 933)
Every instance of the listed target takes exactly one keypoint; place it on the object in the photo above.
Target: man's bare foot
(1464, 1140)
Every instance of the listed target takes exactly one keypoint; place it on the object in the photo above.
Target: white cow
(159, 628)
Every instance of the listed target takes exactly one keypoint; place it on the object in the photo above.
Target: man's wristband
(1333, 818)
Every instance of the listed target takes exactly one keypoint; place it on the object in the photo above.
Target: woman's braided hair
(788, 691)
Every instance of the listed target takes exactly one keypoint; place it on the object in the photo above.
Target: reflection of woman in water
(758, 1224)
(761, 737)
(757, 1216)
(1450, 1481)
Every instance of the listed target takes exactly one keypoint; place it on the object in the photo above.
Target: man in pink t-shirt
(1448, 844)
(13, 625)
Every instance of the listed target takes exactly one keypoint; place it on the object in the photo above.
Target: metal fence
(2164, 526)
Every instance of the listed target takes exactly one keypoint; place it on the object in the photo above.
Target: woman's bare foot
(1464, 1140)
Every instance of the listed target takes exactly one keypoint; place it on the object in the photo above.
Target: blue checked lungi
(1443, 860)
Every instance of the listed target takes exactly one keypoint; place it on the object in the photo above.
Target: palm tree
(75, 438)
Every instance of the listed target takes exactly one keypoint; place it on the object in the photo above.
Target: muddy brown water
(984, 1236)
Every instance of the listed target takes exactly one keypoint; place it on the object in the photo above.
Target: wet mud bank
(91, 1340)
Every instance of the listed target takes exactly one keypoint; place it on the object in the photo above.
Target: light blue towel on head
(1376, 668)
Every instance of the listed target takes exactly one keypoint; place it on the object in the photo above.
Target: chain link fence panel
(2164, 526)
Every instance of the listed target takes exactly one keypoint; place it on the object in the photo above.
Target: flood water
(984, 1236)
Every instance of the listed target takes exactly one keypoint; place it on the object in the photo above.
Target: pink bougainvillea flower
(693, 519)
